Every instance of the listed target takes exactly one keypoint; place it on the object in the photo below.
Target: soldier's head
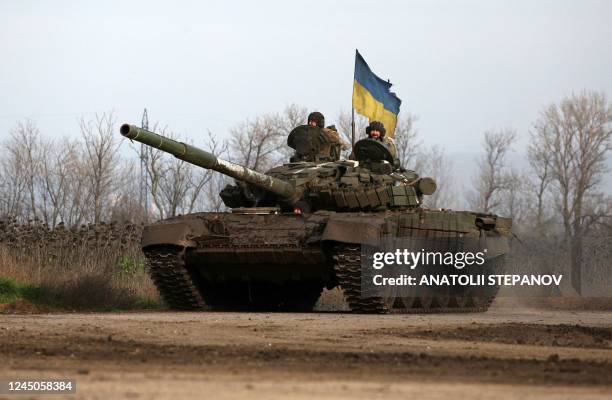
(316, 119)
(376, 130)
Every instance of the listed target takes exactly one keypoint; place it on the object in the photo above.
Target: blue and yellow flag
(372, 97)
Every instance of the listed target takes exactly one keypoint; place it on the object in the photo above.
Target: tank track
(167, 269)
(348, 272)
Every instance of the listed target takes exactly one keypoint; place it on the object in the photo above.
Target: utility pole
(143, 187)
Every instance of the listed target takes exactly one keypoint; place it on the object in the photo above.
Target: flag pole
(352, 107)
(352, 126)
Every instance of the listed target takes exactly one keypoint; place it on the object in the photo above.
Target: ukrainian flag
(372, 97)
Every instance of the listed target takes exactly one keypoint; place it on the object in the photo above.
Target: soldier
(376, 130)
(317, 119)
(332, 145)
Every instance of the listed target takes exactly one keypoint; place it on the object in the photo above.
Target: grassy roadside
(99, 268)
(11, 291)
(18, 297)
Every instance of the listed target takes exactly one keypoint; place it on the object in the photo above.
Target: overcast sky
(461, 66)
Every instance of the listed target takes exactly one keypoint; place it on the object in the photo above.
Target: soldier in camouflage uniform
(376, 130)
(332, 145)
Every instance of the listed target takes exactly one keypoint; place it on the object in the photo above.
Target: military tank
(305, 226)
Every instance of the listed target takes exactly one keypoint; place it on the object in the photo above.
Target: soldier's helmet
(318, 118)
(376, 126)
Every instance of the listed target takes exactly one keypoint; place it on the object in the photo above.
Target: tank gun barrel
(204, 159)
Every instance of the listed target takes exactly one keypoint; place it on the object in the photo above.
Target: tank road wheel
(481, 303)
(443, 301)
(481, 298)
(389, 297)
(478, 298)
(409, 302)
(426, 303)
(409, 298)
(459, 301)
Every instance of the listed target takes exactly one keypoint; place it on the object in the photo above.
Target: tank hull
(269, 261)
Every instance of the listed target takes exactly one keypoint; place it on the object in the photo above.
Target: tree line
(94, 177)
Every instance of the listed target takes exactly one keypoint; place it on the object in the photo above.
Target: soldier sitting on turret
(376, 130)
(314, 142)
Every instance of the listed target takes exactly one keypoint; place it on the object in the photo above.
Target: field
(91, 267)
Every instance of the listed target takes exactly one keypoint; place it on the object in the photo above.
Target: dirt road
(505, 353)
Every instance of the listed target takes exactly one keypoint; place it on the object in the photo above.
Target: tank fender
(179, 233)
(364, 229)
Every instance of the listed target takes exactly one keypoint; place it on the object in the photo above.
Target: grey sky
(461, 66)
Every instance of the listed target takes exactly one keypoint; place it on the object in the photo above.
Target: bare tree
(514, 201)
(12, 184)
(126, 205)
(260, 143)
(155, 171)
(59, 165)
(87, 180)
(493, 175)
(24, 149)
(100, 161)
(539, 158)
(255, 143)
(293, 115)
(176, 187)
(577, 134)
(407, 143)
(344, 125)
(433, 162)
(210, 200)
(78, 209)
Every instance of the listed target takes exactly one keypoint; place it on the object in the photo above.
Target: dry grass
(92, 267)
(332, 300)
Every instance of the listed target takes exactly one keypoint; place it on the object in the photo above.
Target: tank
(309, 225)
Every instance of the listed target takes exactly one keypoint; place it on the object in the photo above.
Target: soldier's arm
(391, 146)
(331, 135)
(334, 137)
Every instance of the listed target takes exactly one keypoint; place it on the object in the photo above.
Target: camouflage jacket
(332, 145)
(387, 141)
